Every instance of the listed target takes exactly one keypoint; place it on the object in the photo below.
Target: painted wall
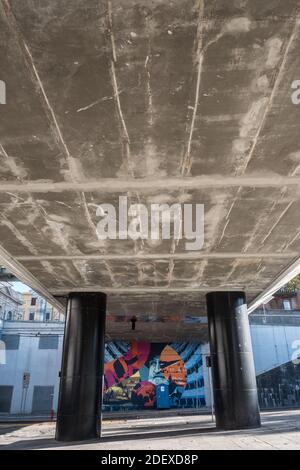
(42, 364)
(134, 371)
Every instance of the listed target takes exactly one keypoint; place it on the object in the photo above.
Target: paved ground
(280, 430)
(113, 415)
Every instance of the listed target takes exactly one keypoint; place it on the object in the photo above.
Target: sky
(20, 287)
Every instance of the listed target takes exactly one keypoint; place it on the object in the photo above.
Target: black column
(233, 373)
(80, 394)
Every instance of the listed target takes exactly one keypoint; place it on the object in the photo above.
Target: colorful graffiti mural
(134, 371)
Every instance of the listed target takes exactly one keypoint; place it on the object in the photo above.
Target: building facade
(287, 298)
(36, 308)
(27, 306)
(29, 368)
(10, 303)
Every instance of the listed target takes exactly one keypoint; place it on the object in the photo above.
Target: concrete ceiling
(162, 101)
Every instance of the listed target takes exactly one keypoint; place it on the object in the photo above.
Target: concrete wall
(42, 364)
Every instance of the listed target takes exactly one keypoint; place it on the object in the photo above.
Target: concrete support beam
(111, 185)
(80, 395)
(233, 373)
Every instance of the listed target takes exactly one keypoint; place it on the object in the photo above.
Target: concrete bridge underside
(164, 102)
(182, 101)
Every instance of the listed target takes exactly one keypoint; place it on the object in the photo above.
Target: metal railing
(275, 317)
(287, 291)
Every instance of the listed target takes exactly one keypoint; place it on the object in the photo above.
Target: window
(11, 341)
(287, 304)
(42, 401)
(31, 316)
(48, 342)
(47, 316)
(6, 392)
(9, 315)
(33, 301)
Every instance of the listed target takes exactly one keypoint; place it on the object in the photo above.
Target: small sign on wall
(26, 379)
(208, 361)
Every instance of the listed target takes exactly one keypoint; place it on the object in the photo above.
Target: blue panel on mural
(162, 396)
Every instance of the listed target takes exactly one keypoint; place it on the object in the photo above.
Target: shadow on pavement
(51, 443)
(272, 423)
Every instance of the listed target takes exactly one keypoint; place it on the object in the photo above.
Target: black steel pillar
(80, 394)
(233, 373)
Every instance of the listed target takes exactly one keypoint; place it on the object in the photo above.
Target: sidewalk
(280, 430)
(115, 415)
